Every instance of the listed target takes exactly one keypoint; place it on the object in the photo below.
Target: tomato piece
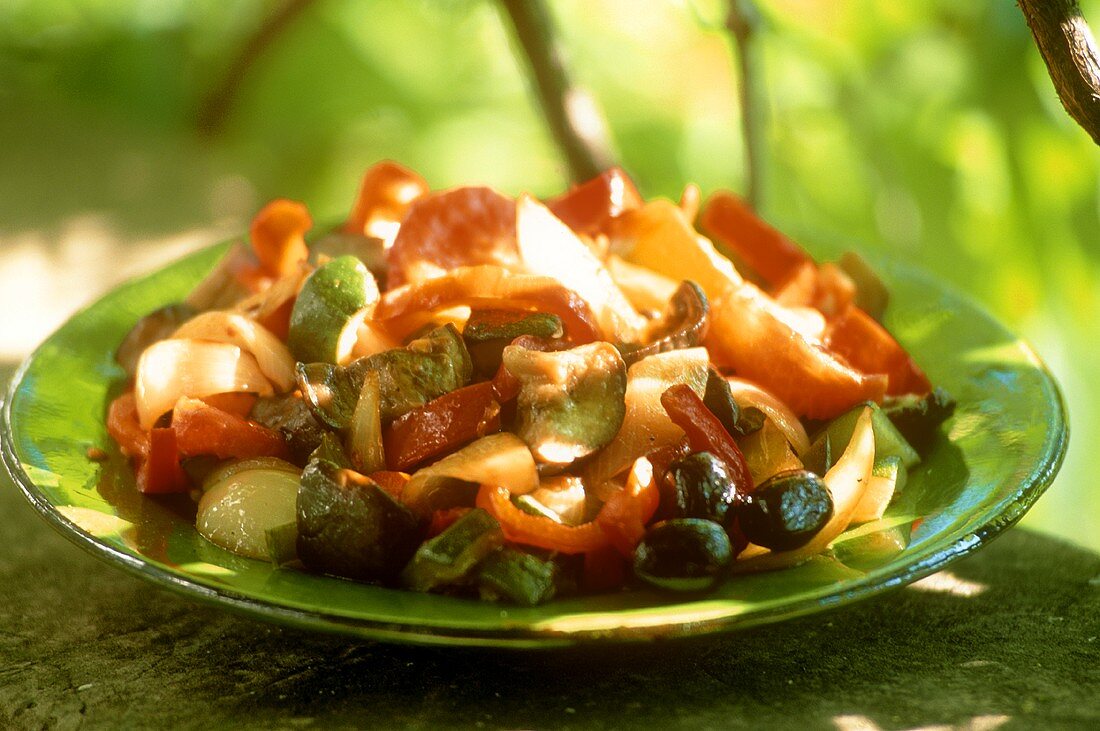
(444, 519)
(160, 472)
(204, 429)
(125, 428)
(441, 425)
(586, 208)
(535, 530)
(486, 287)
(705, 432)
(750, 334)
(624, 516)
(603, 570)
(763, 249)
(453, 228)
(390, 481)
(868, 347)
(386, 193)
(278, 236)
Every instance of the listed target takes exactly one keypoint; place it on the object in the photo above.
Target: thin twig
(742, 22)
(215, 108)
(575, 122)
(1073, 62)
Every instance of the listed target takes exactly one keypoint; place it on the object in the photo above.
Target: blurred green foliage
(926, 129)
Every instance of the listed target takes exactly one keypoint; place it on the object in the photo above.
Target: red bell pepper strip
(278, 236)
(588, 207)
(705, 432)
(765, 250)
(603, 570)
(125, 428)
(444, 519)
(868, 347)
(160, 472)
(624, 516)
(204, 429)
(535, 530)
(390, 481)
(441, 425)
(385, 194)
(488, 287)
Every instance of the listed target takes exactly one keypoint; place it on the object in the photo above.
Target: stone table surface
(1008, 637)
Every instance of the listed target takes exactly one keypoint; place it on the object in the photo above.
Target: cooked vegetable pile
(458, 391)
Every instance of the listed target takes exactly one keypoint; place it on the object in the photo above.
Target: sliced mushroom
(683, 325)
(571, 402)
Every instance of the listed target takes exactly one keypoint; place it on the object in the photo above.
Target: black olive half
(702, 488)
(786, 511)
(685, 554)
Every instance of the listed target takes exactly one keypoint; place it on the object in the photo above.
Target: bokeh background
(927, 129)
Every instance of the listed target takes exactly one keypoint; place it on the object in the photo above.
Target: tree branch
(215, 107)
(742, 22)
(574, 121)
(1070, 53)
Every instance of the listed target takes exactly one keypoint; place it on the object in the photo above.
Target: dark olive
(702, 488)
(786, 511)
(684, 554)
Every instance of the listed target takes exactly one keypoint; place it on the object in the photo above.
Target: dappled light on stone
(946, 582)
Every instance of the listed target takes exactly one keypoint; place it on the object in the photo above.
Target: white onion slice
(847, 481)
(748, 394)
(272, 356)
(171, 369)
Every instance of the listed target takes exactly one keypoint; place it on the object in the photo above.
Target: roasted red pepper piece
(588, 207)
(624, 516)
(125, 428)
(444, 519)
(204, 429)
(763, 249)
(278, 236)
(705, 432)
(535, 530)
(385, 195)
(160, 472)
(390, 481)
(869, 348)
(239, 403)
(441, 425)
(603, 570)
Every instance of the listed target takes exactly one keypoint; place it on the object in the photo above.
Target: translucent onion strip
(272, 356)
(847, 481)
(365, 430)
(550, 248)
(748, 394)
(171, 369)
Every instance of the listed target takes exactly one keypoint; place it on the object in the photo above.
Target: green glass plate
(997, 455)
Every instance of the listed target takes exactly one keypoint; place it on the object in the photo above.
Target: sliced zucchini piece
(451, 555)
(519, 576)
(324, 321)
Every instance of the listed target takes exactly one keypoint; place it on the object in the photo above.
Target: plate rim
(518, 635)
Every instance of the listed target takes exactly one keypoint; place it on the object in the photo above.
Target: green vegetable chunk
(571, 402)
(329, 392)
(519, 576)
(321, 323)
(451, 555)
(488, 332)
(831, 441)
(429, 367)
(352, 528)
